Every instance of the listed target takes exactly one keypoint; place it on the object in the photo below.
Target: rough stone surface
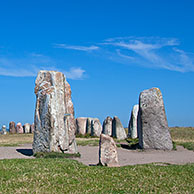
(12, 127)
(19, 128)
(89, 125)
(118, 130)
(4, 131)
(32, 128)
(26, 128)
(134, 123)
(154, 132)
(54, 124)
(81, 125)
(107, 126)
(96, 127)
(107, 151)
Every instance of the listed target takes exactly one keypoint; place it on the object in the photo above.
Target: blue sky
(110, 51)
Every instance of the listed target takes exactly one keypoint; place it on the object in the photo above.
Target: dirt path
(89, 155)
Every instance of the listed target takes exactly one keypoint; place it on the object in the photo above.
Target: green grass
(183, 136)
(69, 176)
(56, 155)
(89, 142)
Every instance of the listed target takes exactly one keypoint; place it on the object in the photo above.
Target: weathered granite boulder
(154, 132)
(96, 127)
(134, 123)
(108, 151)
(89, 125)
(118, 130)
(26, 128)
(54, 124)
(19, 128)
(81, 125)
(32, 128)
(12, 127)
(107, 126)
(4, 130)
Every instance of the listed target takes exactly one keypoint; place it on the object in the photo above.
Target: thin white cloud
(28, 67)
(79, 48)
(153, 52)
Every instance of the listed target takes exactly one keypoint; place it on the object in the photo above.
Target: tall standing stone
(12, 128)
(108, 151)
(26, 128)
(107, 126)
(54, 120)
(154, 131)
(19, 128)
(96, 127)
(81, 125)
(118, 130)
(134, 122)
(89, 125)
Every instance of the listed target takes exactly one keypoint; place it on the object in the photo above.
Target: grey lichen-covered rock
(81, 125)
(12, 127)
(54, 124)
(89, 125)
(4, 130)
(118, 130)
(108, 151)
(154, 132)
(19, 128)
(32, 128)
(107, 126)
(134, 122)
(96, 127)
(26, 128)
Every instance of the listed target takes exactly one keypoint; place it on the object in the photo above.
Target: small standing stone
(89, 125)
(26, 128)
(81, 125)
(19, 128)
(32, 128)
(154, 132)
(96, 128)
(107, 126)
(118, 130)
(108, 151)
(12, 128)
(4, 130)
(134, 123)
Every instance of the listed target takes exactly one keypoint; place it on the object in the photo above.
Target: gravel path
(89, 155)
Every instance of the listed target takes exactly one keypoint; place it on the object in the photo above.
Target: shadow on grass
(26, 152)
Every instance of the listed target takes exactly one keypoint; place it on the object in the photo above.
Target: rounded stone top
(151, 97)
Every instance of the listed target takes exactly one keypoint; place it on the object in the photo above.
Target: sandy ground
(89, 155)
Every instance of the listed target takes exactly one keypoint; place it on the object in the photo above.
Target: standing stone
(96, 128)
(70, 120)
(107, 126)
(32, 128)
(108, 151)
(134, 123)
(19, 128)
(81, 125)
(89, 125)
(54, 120)
(154, 131)
(4, 130)
(118, 130)
(26, 128)
(12, 128)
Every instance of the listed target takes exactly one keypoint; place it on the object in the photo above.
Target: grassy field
(59, 175)
(69, 176)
